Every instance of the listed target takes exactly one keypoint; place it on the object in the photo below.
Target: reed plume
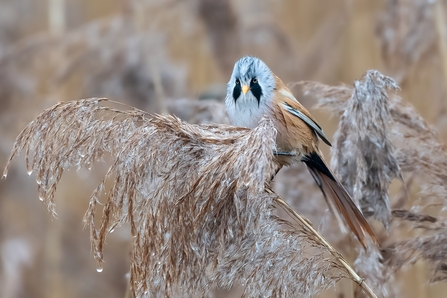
(409, 146)
(195, 196)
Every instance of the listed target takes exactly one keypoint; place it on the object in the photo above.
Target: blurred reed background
(176, 56)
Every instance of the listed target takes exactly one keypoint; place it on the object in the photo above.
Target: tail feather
(338, 198)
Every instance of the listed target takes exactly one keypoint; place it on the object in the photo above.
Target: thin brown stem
(360, 281)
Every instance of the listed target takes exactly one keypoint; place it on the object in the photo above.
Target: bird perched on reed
(254, 91)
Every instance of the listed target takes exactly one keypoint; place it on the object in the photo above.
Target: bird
(253, 92)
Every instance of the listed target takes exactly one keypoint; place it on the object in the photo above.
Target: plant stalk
(360, 281)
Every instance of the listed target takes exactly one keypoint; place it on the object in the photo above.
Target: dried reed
(417, 152)
(406, 30)
(88, 61)
(363, 156)
(201, 216)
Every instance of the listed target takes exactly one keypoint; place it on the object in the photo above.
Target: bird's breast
(246, 111)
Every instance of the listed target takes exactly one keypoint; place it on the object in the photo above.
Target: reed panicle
(409, 145)
(363, 155)
(200, 211)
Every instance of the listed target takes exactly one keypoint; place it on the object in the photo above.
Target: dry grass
(200, 214)
(198, 205)
(363, 155)
(406, 144)
(407, 31)
(151, 54)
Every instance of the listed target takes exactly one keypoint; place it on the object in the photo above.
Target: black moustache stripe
(237, 91)
(256, 90)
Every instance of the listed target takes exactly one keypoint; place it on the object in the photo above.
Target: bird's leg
(282, 153)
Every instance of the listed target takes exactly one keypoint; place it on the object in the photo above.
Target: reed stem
(357, 279)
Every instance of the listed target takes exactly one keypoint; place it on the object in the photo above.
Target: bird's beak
(245, 89)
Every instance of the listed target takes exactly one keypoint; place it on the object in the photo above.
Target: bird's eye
(255, 80)
(238, 82)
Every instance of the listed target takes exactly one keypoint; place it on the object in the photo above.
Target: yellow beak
(245, 89)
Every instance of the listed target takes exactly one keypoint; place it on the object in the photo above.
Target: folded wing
(306, 119)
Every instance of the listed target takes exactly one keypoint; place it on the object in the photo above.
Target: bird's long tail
(338, 198)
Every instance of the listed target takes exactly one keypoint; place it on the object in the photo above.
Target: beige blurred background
(176, 56)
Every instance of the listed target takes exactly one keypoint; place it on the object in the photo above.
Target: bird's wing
(311, 123)
(294, 107)
(338, 198)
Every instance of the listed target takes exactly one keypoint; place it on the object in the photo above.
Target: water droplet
(111, 230)
(29, 172)
(99, 264)
(41, 198)
(4, 175)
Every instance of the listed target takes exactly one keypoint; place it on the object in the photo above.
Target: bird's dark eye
(238, 82)
(255, 80)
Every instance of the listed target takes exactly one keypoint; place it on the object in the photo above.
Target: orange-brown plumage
(293, 133)
(255, 91)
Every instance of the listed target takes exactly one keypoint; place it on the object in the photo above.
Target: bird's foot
(283, 153)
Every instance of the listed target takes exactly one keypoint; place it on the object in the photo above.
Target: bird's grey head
(251, 80)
